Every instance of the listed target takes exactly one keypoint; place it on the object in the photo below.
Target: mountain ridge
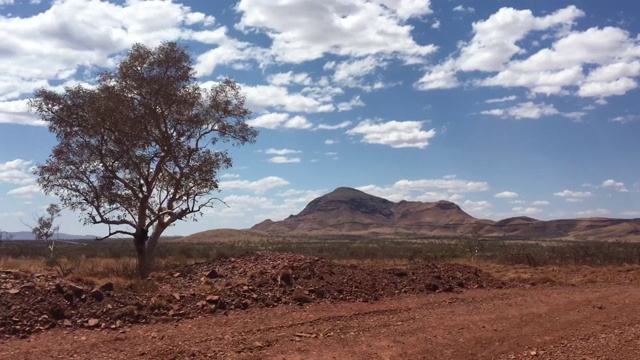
(347, 210)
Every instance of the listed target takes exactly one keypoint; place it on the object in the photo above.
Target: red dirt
(34, 303)
(589, 322)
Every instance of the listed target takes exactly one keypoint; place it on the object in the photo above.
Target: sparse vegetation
(99, 259)
(136, 153)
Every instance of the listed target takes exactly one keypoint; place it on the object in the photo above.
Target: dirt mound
(32, 303)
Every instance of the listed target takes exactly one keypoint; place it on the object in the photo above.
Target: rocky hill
(347, 210)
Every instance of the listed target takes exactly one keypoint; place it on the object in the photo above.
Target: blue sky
(507, 108)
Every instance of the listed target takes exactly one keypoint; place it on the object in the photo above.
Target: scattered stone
(106, 287)
(212, 299)
(258, 280)
(77, 291)
(57, 313)
(96, 294)
(212, 274)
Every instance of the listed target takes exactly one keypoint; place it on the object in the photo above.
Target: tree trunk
(140, 243)
(143, 262)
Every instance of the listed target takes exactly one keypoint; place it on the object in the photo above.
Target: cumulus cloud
(623, 119)
(354, 28)
(528, 110)
(257, 187)
(283, 160)
(502, 99)
(272, 151)
(397, 134)
(616, 185)
(540, 203)
(518, 210)
(277, 120)
(55, 44)
(341, 125)
(288, 78)
(596, 62)
(426, 189)
(16, 172)
(463, 9)
(28, 191)
(17, 112)
(506, 195)
(261, 98)
(595, 212)
(476, 208)
(349, 105)
(353, 72)
(573, 196)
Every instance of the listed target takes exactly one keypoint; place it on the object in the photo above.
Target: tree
(136, 152)
(4, 236)
(44, 230)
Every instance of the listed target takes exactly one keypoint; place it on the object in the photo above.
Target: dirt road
(586, 322)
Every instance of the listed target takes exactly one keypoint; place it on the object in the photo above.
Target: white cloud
(349, 105)
(502, 99)
(263, 97)
(568, 194)
(476, 208)
(352, 73)
(330, 142)
(341, 125)
(228, 51)
(632, 213)
(596, 62)
(596, 212)
(17, 112)
(623, 119)
(426, 189)
(463, 9)
(312, 28)
(441, 76)
(574, 115)
(283, 160)
(82, 34)
(397, 134)
(616, 185)
(540, 203)
(257, 187)
(528, 110)
(436, 24)
(506, 195)
(495, 39)
(518, 210)
(272, 151)
(28, 191)
(276, 120)
(288, 78)
(298, 122)
(269, 121)
(16, 172)
(229, 176)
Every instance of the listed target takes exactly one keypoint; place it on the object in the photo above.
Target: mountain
(28, 235)
(347, 210)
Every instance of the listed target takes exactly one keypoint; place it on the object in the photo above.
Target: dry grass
(560, 275)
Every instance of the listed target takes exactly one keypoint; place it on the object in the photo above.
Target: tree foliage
(44, 230)
(137, 152)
